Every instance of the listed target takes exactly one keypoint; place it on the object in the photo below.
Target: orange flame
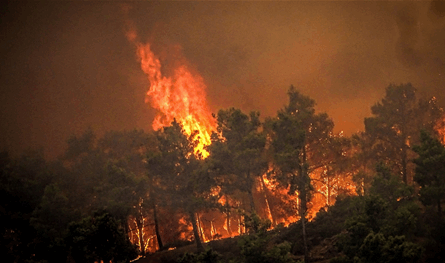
(181, 96)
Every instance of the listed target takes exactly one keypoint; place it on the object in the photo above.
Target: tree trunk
(303, 209)
(266, 197)
(140, 225)
(200, 230)
(158, 234)
(404, 164)
(252, 201)
(328, 203)
(199, 245)
(229, 229)
(304, 176)
(439, 208)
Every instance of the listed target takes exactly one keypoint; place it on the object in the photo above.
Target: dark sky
(67, 66)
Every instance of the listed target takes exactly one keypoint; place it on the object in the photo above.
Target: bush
(99, 238)
(377, 248)
(255, 248)
(208, 256)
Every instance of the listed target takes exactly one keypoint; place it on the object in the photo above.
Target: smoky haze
(68, 66)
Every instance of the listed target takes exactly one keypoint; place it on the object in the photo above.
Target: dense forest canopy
(379, 192)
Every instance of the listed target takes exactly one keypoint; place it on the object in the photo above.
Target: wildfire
(181, 95)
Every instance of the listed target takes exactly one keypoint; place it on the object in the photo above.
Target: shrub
(208, 256)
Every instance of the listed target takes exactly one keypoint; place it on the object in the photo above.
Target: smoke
(407, 44)
(437, 8)
(67, 66)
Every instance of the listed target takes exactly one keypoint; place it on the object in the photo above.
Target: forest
(278, 189)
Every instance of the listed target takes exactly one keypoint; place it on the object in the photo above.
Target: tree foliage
(298, 137)
(395, 126)
(237, 152)
(430, 171)
(99, 238)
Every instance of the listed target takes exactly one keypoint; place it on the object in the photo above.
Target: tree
(430, 171)
(331, 170)
(219, 163)
(109, 173)
(50, 220)
(377, 248)
(395, 126)
(298, 136)
(237, 150)
(362, 162)
(99, 238)
(180, 174)
(22, 185)
(257, 246)
(380, 221)
(236, 158)
(126, 192)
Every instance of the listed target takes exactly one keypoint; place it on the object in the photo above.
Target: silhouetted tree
(22, 185)
(108, 173)
(395, 126)
(180, 173)
(430, 171)
(99, 238)
(238, 150)
(297, 138)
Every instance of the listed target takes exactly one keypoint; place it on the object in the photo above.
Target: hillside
(321, 250)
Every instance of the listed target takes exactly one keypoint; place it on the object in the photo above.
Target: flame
(180, 96)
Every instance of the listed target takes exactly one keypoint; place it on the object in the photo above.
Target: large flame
(181, 96)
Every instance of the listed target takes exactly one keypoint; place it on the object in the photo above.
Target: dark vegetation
(381, 191)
